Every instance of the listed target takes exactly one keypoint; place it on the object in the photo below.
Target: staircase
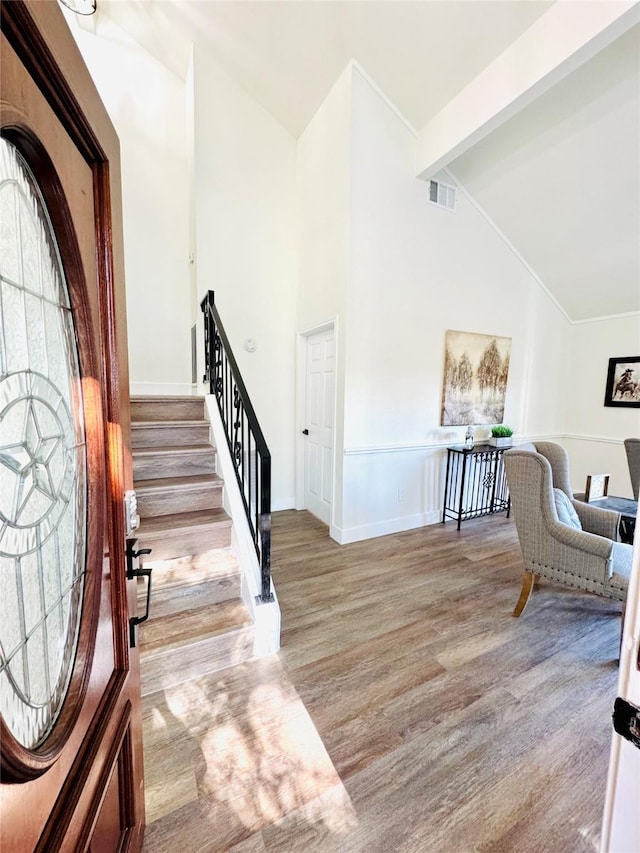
(198, 622)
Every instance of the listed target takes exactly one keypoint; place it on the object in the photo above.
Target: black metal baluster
(265, 525)
(251, 489)
(229, 402)
(255, 506)
(252, 464)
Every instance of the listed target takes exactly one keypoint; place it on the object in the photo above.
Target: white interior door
(621, 824)
(318, 427)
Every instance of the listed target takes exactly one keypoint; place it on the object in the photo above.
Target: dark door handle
(132, 573)
(305, 432)
(134, 621)
(626, 720)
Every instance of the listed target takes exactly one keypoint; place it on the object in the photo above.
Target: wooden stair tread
(187, 597)
(191, 481)
(174, 450)
(166, 668)
(171, 585)
(175, 631)
(185, 520)
(196, 569)
(156, 398)
(169, 424)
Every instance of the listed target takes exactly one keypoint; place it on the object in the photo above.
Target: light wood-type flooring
(406, 711)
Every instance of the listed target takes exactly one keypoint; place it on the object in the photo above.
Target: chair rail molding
(599, 438)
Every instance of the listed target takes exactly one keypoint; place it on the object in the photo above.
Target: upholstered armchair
(567, 541)
(632, 446)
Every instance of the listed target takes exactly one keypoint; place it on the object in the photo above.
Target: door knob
(305, 432)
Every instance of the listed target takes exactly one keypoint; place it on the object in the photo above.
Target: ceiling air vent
(442, 194)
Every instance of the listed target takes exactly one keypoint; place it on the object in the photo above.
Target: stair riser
(178, 500)
(168, 546)
(171, 435)
(161, 409)
(157, 466)
(162, 670)
(166, 602)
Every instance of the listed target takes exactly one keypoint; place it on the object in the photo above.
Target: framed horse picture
(623, 382)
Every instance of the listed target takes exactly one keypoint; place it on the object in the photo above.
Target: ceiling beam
(558, 43)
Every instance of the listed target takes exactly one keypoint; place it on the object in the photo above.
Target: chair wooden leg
(528, 582)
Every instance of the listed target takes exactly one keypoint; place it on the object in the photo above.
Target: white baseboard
(382, 528)
(177, 389)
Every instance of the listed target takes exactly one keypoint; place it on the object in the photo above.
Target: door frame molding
(302, 344)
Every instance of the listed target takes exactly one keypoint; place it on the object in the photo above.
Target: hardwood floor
(406, 711)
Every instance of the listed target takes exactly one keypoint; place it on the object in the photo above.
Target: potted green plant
(501, 436)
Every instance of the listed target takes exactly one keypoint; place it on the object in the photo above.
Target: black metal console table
(475, 483)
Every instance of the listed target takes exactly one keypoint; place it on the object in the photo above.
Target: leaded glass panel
(42, 463)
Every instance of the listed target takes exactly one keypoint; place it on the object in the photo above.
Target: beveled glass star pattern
(36, 463)
(29, 460)
(42, 463)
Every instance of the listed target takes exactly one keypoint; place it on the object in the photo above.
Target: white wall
(323, 249)
(245, 206)
(323, 221)
(146, 103)
(342, 212)
(594, 431)
(414, 272)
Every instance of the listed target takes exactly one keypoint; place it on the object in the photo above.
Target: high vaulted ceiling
(287, 55)
(560, 179)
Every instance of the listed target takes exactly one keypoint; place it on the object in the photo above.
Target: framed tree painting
(623, 382)
(476, 368)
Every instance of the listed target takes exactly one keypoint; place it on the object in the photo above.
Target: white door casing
(320, 375)
(621, 822)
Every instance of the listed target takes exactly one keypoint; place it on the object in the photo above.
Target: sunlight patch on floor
(592, 838)
(158, 722)
(262, 758)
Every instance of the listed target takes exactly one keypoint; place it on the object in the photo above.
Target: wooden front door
(71, 749)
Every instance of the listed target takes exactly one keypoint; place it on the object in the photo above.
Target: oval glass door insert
(43, 512)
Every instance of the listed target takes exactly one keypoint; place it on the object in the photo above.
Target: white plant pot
(501, 442)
